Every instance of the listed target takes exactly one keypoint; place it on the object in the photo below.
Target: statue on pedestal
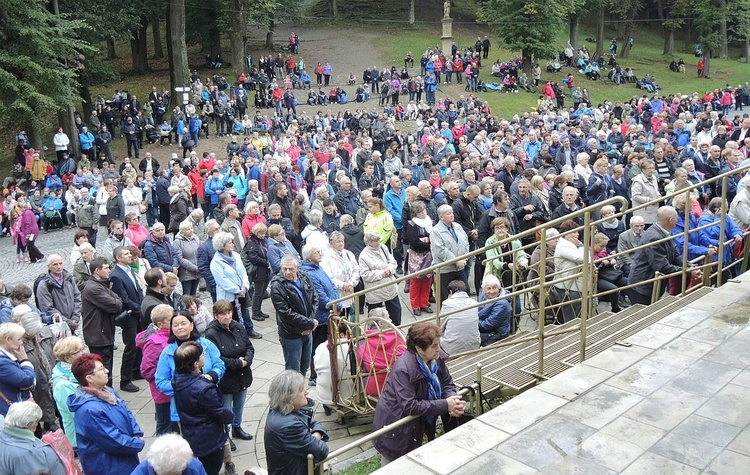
(447, 9)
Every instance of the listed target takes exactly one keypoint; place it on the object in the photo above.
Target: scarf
(434, 391)
(105, 394)
(425, 223)
(613, 224)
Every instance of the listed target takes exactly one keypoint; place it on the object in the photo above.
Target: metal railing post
(685, 245)
(722, 230)
(542, 319)
(438, 298)
(587, 254)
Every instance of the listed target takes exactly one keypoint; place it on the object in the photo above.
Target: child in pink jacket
(152, 341)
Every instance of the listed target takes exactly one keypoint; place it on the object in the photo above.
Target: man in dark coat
(664, 257)
(295, 301)
(125, 285)
(99, 306)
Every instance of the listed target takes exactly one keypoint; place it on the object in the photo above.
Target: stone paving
(268, 362)
(675, 402)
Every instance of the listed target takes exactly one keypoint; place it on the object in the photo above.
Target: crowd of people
(308, 208)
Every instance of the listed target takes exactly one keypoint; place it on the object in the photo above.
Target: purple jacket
(405, 394)
(151, 345)
(28, 226)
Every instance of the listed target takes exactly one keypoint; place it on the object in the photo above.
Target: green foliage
(35, 48)
(528, 26)
(739, 15)
(708, 16)
(362, 468)
(674, 12)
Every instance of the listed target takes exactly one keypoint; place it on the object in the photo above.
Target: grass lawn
(362, 468)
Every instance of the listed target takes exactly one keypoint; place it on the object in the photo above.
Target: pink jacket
(151, 346)
(137, 234)
(378, 354)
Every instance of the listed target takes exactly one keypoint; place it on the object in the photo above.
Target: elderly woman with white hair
(17, 376)
(739, 210)
(291, 432)
(20, 451)
(313, 232)
(342, 267)
(186, 245)
(377, 266)
(38, 342)
(170, 454)
(231, 279)
(494, 317)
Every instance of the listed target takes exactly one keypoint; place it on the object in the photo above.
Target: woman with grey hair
(342, 267)
(376, 266)
(39, 342)
(291, 433)
(313, 232)
(20, 451)
(231, 279)
(170, 454)
(186, 245)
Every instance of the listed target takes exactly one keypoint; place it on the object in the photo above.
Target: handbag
(122, 319)
(420, 261)
(60, 444)
(59, 328)
(142, 208)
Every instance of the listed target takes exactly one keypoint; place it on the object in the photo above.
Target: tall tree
(527, 26)
(38, 60)
(724, 45)
(267, 13)
(706, 21)
(672, 13)
(740, 30)
(627, 11)
(179, 75)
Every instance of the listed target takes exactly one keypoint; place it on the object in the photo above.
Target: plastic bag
(59, 328)
(59, 442)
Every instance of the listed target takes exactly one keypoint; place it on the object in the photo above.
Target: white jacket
(372, 264)
(343, 268)
(460, 330)
(567, 257)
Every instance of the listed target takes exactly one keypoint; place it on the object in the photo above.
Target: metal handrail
(542, 285)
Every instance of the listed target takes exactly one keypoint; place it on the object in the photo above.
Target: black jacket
(354, 239)
(293, 316)
(232, 344)
(99, 305)
(288, 439)
(202, 414)
(255, 259)
(664, 258)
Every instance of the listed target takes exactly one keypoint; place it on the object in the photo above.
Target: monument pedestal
(447, 38)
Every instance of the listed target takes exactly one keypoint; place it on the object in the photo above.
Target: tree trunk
(629, 24)
(237, 36)
(688, 37)
(269, 34)
(138, 47)
(724, 51)
(67, 122)
(746, 50)
(179, 75)
(411, 12)
(527, 60)
(111, 53)
(574, 31)
(35, 138)
(668, 42)
(156, 30)
(707, 53)
(335, 8)
(600, 30)
(87, 102)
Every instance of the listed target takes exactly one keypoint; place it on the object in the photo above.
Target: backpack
(37, 281)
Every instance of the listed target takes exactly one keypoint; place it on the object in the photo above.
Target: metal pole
(438, 302)
(542, 319)
(587, 242)
(685, 245)
(722, 230)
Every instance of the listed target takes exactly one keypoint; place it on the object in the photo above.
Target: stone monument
(447, 38)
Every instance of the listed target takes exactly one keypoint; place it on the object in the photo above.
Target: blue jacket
(195, 467)
(494, 318)
(13, 377)
(288, 439)
(160, 254)
(108, 436)
(165, 369)
(203, 417)
(6, 307)
(712, 234)
(206, 252)
(87, 140)
(239, 183)
(697, 242)
(394, 203)
(212, 186)
(324, 287)
(276, 250)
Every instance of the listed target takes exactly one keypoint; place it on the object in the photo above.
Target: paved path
(676, 401)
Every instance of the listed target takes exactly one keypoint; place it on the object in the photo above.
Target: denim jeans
(297, 353)
(235, 402)
(164, 424)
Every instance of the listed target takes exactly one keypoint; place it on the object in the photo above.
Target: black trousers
(642, 299)
(131, 355)
(447, 278)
